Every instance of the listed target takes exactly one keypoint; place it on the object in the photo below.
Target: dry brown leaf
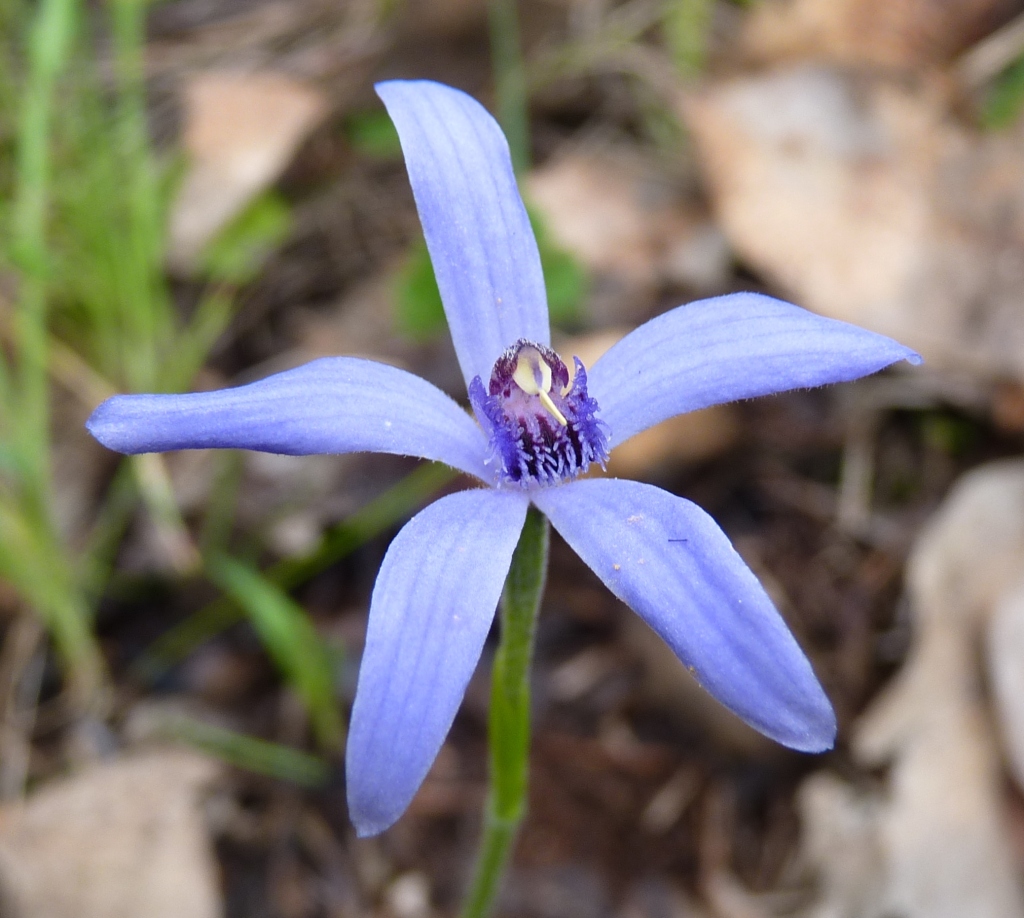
(241, 131)
(599, 209)
(885, 33)
(933, 843)
(120, 840)
(840, 838)
(863, 201)
(624, 220)
(1005, 655)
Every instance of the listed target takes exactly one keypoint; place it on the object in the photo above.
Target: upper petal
(432, 607)
(727, 348)
(332, 405)
(477, 231)
(668, 560)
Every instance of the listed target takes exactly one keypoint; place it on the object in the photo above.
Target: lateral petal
(668, 560)
(432, 607)
(726, 348)
(332, 405)
(480, 240)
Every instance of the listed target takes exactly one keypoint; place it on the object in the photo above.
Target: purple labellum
(542, 430)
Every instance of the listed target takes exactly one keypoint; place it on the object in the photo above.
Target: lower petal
(669, 561)
(432, 607)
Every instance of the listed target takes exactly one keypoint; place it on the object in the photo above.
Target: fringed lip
(542, 429)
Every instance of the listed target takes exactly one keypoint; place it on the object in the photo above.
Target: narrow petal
(432, 607)
(333, 405)
(730, 347)
(668, 560)
(478, 234)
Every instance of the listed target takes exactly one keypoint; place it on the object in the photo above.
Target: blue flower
(535, 433)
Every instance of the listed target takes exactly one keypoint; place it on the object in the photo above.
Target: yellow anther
(545, 400)
(533, 375)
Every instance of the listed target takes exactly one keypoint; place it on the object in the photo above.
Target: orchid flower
(533, 433)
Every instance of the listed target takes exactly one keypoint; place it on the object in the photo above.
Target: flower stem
(509, 727)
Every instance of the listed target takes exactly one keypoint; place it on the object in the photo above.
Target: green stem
(509, 728)
(510, 80)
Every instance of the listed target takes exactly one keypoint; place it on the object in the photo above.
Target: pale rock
(241, 132)
(118, 840)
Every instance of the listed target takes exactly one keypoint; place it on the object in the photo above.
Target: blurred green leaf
(249, 752)
(564, 277)
(685, 25)
(112, 197)
(947, 434)
(419, 312)
(373, 134)
(35, 563)
(8, 460)
(1005, 98)
(195, 340)
(220, 509)
(510, 85)
(240, 250)
(290, 639)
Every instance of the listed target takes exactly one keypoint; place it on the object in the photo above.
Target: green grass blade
(49, 46)
(686, 25)
(510, 80)
(248, 752)
(1005, 99)
(381, 514)
(33, 560)
(291, 640)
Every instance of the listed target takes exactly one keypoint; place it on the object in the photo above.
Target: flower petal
(432, 607)
(730, 347)
(478, 234)
(332, 405)
(668, 560)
